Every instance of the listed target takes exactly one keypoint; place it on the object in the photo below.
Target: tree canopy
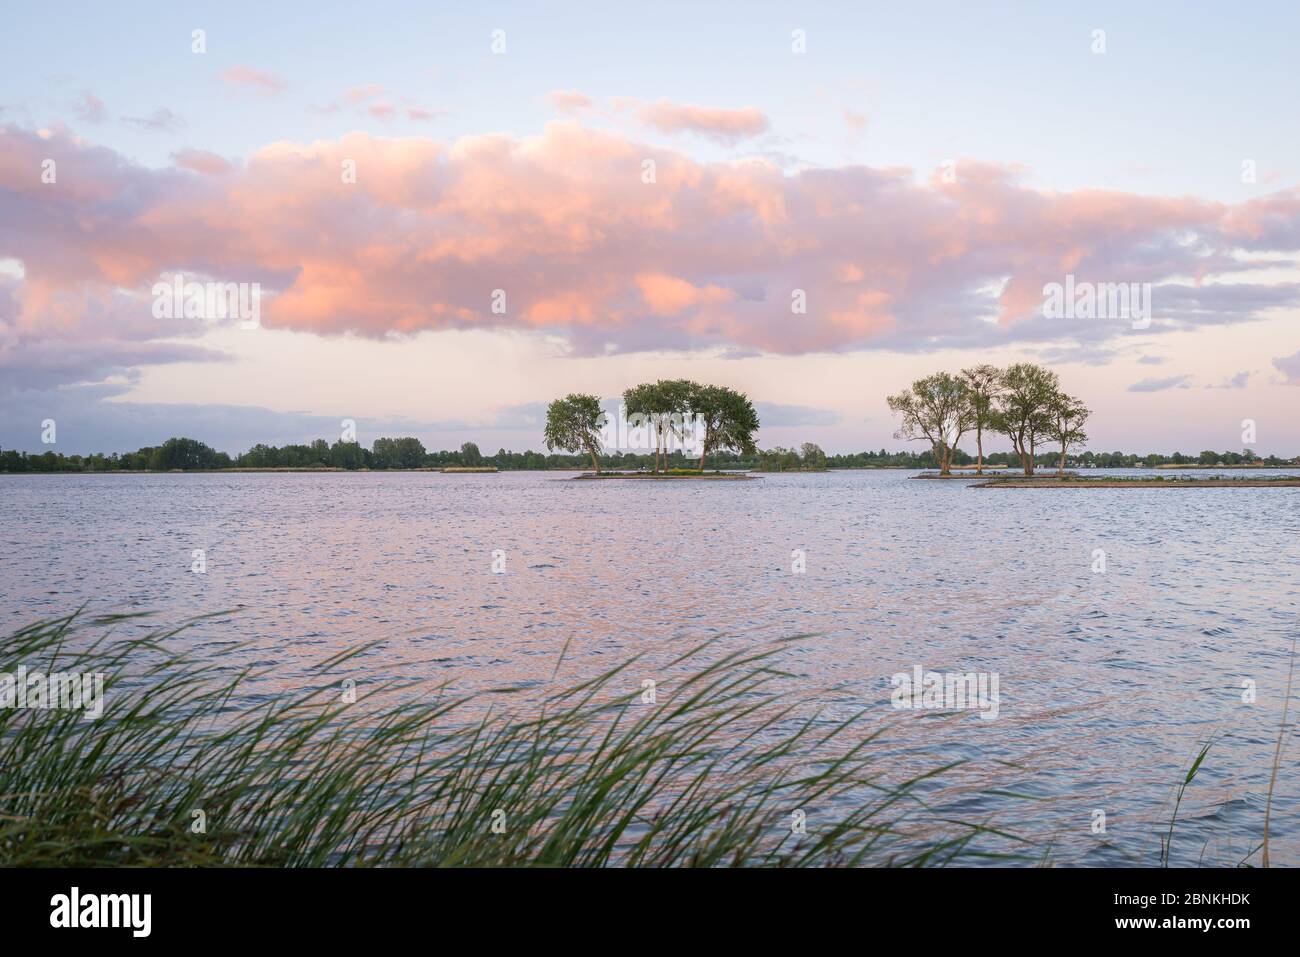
(573, 424)
(937, 409)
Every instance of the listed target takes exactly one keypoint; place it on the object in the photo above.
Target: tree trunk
(1025, 462)
(595, 462)
(979, 445)
(1060, 471)
(945, 459)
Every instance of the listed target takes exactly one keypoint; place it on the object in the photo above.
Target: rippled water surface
(1108, 682)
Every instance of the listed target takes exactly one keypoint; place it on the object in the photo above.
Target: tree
(1024, 408)
(937, 409)
(813, 456)
(1066, 417)
(181, 453)
(644, 403)
(983, 382)
(663, 406)
(728, 418)
(347, 455)
(470, 455)
(673, 400)
(404, 453)
(573, 425)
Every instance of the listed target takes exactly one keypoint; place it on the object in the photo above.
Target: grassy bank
(177, 771)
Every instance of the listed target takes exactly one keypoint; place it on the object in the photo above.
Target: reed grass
(1277, 753)
(188, 766)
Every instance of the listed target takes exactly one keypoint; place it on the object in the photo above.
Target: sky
(455, 215)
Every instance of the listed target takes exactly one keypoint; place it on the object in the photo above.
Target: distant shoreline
(961, 472)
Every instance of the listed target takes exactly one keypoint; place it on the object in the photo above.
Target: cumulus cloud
(1160, 385)
(52, 336)
(709, 255)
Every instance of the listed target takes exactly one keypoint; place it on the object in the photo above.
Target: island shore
(1158, 482)
(710, 476)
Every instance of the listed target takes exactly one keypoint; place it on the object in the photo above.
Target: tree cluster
(721, 418)
(1023, 402)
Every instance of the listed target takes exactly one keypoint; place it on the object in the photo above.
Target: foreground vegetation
(180, 771)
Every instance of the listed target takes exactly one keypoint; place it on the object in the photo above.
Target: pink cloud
(90, 108)
(201, 161)
(708, 254)
(569, 101)
(668, 295)
(359, 94)
(267, 83)
(728, 126)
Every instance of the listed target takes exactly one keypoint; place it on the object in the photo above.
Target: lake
(1108, 681)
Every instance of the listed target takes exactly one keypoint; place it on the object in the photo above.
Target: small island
(667, 476)
(1155, 481)
(711, 418)
(1025, 404)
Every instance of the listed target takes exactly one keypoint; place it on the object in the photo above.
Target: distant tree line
(385, 453)
(807, 458)
(409, 453)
